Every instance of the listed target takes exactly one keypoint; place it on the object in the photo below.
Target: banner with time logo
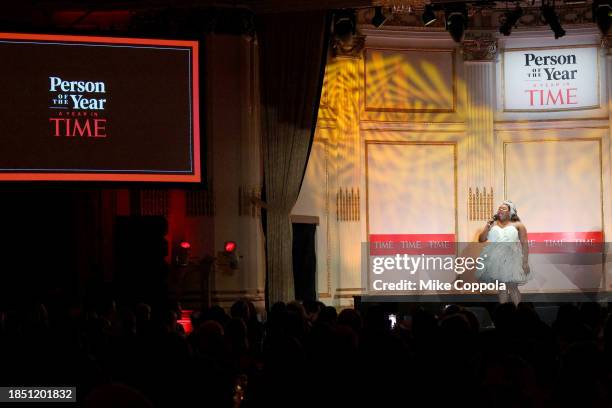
(550, 79)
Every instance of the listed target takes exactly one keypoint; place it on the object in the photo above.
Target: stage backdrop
(556, 183)
(411, 197)
(555, 180)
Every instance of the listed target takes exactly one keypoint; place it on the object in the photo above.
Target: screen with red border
(79, 108)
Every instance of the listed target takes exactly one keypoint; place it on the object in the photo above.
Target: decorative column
(479, 55)
(252, 262)
(344, 242)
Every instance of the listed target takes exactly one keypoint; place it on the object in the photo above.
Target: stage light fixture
(602, 13)
(550, 16)
(510, 19)
(228, 259)
(429, 16)
(229, 254)
(182, 256)
(379, 18)
(230, 246)
(456, 21)
(344, 24)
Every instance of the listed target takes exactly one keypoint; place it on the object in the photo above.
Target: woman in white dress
(506, 258)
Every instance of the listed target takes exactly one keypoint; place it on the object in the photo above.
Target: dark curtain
(292, 56)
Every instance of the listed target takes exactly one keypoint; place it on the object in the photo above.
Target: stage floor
(482, 305)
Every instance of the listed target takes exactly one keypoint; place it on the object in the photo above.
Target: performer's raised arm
(485, 231)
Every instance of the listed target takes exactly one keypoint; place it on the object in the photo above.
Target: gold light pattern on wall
(410, 81)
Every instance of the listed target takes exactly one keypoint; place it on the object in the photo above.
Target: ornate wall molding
(606, 43)
(480, 204)
(352, 48)
(407, 16)
(479, 46)
(480, 17)
(347, 204)
(248, 196)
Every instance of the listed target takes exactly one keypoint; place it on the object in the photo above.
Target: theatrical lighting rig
(602, 14)
(456, 20)
(379, 18)
(456, 15)
(510, 19)
(344, 24)
(429, 16)
(550, 16)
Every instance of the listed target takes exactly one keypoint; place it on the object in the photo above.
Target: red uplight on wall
(185, 245)
(230, 246)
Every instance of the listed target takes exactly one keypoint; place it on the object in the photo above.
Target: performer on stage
(505, 259)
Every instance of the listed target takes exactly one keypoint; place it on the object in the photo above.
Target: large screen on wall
(76, 108)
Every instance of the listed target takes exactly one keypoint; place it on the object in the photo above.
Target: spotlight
(182, 256)
(230, 246)
(344, 24)
(602, 12)
(429, 17)
(456, 21)
(553, 20)
(379, 18)
(510, 20)
(228, 258)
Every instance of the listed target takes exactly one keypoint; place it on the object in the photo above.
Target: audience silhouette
(305, 355)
